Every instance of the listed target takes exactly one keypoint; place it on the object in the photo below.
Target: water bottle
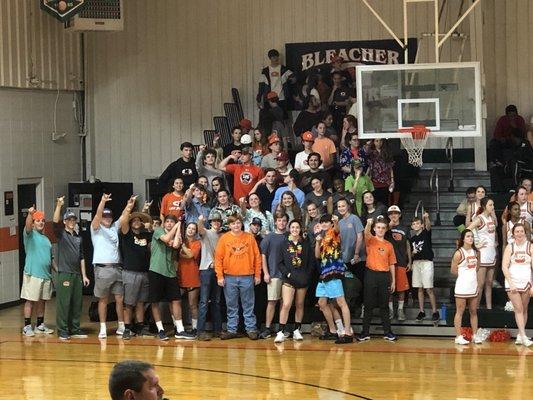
(443, 312)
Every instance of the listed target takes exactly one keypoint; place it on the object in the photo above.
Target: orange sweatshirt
(237, 255)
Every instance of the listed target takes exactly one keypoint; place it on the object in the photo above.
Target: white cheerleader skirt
(466, 284)
(520, 276)
(487, 256)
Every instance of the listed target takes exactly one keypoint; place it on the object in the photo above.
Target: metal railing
(449, 155)
(435, 189)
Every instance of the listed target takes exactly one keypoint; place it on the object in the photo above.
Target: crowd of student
(242, 214)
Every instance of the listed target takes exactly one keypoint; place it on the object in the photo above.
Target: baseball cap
(256, 221)
(37, 215)
(273, 139)
(245, 123)
(215, 216)
(282, 156)
(107, 213)
(307, 137)
(272, 95)
(69, 214)
(393, 209)
(246, 139)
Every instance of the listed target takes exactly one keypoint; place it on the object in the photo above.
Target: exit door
(27, 197)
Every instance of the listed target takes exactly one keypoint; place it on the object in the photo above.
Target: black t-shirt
(305, 121)
(136, 251)
(421, 245)
(305, 183)
(320, 201)
(398, 236)
(179, 169)
(266, 197)
(230, 148)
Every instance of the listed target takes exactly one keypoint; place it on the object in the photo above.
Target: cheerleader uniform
(526, 212)
(486, 233)
(466, 283)
(520, 267)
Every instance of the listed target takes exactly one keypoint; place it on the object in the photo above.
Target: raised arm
(225, 161)
(95, 224)
(474, 224)
(168, 237)
(427, 221)
(201, 225)
(123, 221)
(368, 228)
(28, 226)
(57, 212)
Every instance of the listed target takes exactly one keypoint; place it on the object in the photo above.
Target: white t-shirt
(275, 81)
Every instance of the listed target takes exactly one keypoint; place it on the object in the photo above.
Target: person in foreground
(134, 380)
(465, 263)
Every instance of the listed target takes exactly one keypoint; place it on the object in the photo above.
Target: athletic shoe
(253, 335)
(518, 340)
(145, 332)
(120, 330)
(435, 317)
(391, 337)
(127, 334)
(226, 335)
(63, 336)
(203, 336)
(297, 335)
(526, 342)
(28, 331)
(79, 335)
(477, 339)
(184, 335)
(193, 332)
(344, 339)
(265, 333)
(461, 340)
(43, 329)
(421, 315)
(162, 335)
(401, 314)
(362, 337)
(329, 336)
(287, 334)
(280, 337)
(102, 335)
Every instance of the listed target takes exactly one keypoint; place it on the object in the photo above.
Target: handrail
(418, 205)
(435, 177)
(449, 156)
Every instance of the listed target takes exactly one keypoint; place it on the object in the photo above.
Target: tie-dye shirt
(331, 265)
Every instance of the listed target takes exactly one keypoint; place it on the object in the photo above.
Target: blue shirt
(349, 227)
(193, 209)
(38, 254)
(300, 196)
(271, 247)
(105, 243)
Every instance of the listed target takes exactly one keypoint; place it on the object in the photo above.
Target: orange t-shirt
(170, 203)
(188, 269)
(244, 178)
(379, 254)
(237, 255)
(326, 148)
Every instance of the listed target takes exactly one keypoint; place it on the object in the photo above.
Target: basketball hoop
(414, 142)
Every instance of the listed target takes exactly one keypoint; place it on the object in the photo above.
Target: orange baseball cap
(37, 215)
(272, 95)
(245, 123)
(273, 139)
(307, 137)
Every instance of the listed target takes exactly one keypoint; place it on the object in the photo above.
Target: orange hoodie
(237, 255)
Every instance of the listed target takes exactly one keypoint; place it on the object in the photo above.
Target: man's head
(314, 160)
(245, 125)
(202, 180)
(416, 224)
(70, 220)
(235, 223)
(326, 222)
(337, 79)
(282, 159)
(338, 185)
(394, 213)
(107, 218)
(280, 220)
(38, 220)
(273, 56)
(209, 157)
(215, 219)
(255, 226)
(246, 156)
(186, 150)
(170, 221)
(307, 140)
(471, 194)
(380, 227)
(511, 111)
(292, 176)
(138, 219)
(274, 143)
(270, 176)
(236, 134)
(134, 380)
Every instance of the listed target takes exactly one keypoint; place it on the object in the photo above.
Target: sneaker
(193, 332)
(435, 317)
(63, 336)
(329, 336)
(526, 342)
(461, 340)
(287, 334)
(145, 332)
(43, 329)
(362, 337)
(391, 337)
(184, 335)
(421, 315)
(120, 330)
(203, 336)
(28, 331)
(102, 335)
(162, 335)
(127, 335)
(280, 337)
(226, 335)
(79, 335)
(344, 339)
(297, 335)
(477, 339)
(401, 314)
(265, 333)
(253, 335)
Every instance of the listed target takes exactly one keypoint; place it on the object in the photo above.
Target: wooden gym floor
(412, 368)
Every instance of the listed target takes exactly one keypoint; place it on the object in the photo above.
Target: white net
(414, 142)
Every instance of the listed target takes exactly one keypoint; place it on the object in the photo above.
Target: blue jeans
(242, 287)
(209, 293)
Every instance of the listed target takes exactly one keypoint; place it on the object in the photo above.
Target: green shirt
(38, 254)
(163, 256)
(363, 184)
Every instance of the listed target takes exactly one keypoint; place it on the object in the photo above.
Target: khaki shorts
(423, 274)
(274, 289)
(136, 287)
(35, 289)
(107, 279)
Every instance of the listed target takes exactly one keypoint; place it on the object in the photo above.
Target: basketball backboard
(445, 97)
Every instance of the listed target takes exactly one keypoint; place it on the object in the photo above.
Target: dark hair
(273, 53)
(224, 190)
(326, 218)
(186, 145)
(314, 153)
(482, 187)
(385, 153)
(351, 119)
(235, 128)
(219, 180)
(202, 176)
(349, 137)
(213, 152)
(172, 217)
(483, 205)
(127, 374)
(511, 108)
(470, 190)
(336, 73)
(516, 226)
(264, 139)
(461, 241)
(520, 187)
(295, 175)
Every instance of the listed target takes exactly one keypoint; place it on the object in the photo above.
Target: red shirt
(244, 178)
(504, 128)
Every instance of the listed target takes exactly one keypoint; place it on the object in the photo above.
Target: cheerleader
(465, 263)
(517, 264)
(474, 207)
(526, 207)
(296, 266)
(485, 225)
(515, 217)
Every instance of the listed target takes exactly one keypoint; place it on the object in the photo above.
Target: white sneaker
(280, 337)
(28, 331)
(296, 335)
(526, 342)
(120, 330)
(102, 335)
(477, 339)
(518, 340)
(43, 329)
(461, 340)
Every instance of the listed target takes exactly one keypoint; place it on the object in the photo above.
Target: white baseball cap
(392, 209)
(246, 139)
